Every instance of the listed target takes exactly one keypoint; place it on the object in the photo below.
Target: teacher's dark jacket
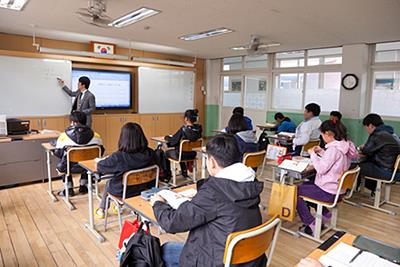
(86, 105)
(221, 206)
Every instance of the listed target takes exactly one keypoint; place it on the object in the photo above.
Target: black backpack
(263, 141)
(142, 250)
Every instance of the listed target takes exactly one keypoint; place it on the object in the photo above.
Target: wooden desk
(346, 238)
(143, 207)
(159, 139)
(291, 174)
(267, 127)
(91, 167)
(49, 149)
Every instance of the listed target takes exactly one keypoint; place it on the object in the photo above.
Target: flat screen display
(112, 89)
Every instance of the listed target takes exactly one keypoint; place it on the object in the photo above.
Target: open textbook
(175, 199)
(344, 255)
(294, 165)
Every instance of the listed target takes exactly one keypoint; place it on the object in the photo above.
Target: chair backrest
(77, 154)
(248, 245)
(347, 183)
(188, 146)
(310, 144)
(140, 176)
(396, 168)
(254, 159)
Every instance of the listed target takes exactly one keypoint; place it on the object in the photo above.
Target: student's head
(279, 117)
(222, 151)
(335, 115)
(238, 110)
(191, 116)
(333, 130)
(311, 110)
(371, 121)
(83, 83)
(77, 117)
(132, 139)
(237, 124)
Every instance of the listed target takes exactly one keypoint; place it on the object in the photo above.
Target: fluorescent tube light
(238, 48)
(205, 34)
(241, 48)
(13, 4)
(162, 61)
(80, 53)
(133, 17)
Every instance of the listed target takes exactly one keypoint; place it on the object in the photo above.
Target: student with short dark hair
(329, 164)
(308, 129)
(189, 131)
(240, 111)
(227, 202)
(335, 115)
(285, 124)
(77, 134)
(133, 153)
(380, 150)
(246, 139)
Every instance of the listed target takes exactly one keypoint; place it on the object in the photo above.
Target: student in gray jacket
(85, 101)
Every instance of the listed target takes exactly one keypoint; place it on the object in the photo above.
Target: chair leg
(173, 173)
(96, 184)
(318, 223)
(194, 170)
(334, 217)
(119, 217)
(388, 188)
(106, 213)
(66, 197)
(377, 200)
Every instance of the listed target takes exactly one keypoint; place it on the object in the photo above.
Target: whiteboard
(165, 91)
(28, 86)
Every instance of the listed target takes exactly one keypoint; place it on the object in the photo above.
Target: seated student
(133, 153)
(284, 123)
(77, 134)
(380, 150)
(246, 139)
(329, 164)
(227, 202)
(189, 131)
(308, 129)
(240, 111)
(335, 115)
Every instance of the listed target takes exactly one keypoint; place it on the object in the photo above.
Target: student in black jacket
(133, 153)
(380, 150)
(246, 138)
(189, 131)
(227, 202)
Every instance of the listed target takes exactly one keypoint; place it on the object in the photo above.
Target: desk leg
(90, 225)
(203, 165)
(50, 190)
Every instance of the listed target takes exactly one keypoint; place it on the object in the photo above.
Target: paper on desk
(286, 134)
(343, 253)
(293, 165)
(175, 199)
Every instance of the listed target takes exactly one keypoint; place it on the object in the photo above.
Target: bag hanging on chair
(283, 201)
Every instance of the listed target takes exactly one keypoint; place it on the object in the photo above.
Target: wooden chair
(255, 159)
(130, 178)
(347, 184)
(75, 155)
(310, 144)
(388, 185)
(186, 146)
(248, 245)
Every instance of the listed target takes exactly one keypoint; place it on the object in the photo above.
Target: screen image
(112, 89)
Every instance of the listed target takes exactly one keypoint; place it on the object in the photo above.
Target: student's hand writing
(156, 198)
(310, 151)
(309, 263)
(317, 149)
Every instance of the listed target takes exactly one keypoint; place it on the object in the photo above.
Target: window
(326, 56)
(386, 93)
(255, 62)
(289, 59)
(387, 52)
(324, 89)
(288, 91)
(232, 86)
(232, 63)
(255, 92)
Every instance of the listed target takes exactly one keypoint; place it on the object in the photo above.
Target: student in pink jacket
(329, 164)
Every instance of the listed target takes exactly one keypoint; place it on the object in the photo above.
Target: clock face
(349, 81)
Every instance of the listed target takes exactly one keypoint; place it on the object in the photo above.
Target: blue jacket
(248, 123)
(287, 125)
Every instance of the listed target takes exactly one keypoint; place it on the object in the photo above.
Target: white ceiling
(296, 24)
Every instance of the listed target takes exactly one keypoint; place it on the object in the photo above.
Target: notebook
(175, 199)
(293, 165)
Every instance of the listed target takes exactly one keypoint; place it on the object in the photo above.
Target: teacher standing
(84, 99)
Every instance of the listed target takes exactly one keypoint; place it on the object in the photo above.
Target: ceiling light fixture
(241, 48)
(238, 48)
(205, 34)
(133, 17)
(162, 61)
(13, 4)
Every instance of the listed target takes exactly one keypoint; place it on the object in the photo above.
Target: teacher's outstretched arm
(66, 89)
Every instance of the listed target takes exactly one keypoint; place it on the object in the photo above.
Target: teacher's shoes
(71, 192)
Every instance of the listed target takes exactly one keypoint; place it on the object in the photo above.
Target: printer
(17, 126)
